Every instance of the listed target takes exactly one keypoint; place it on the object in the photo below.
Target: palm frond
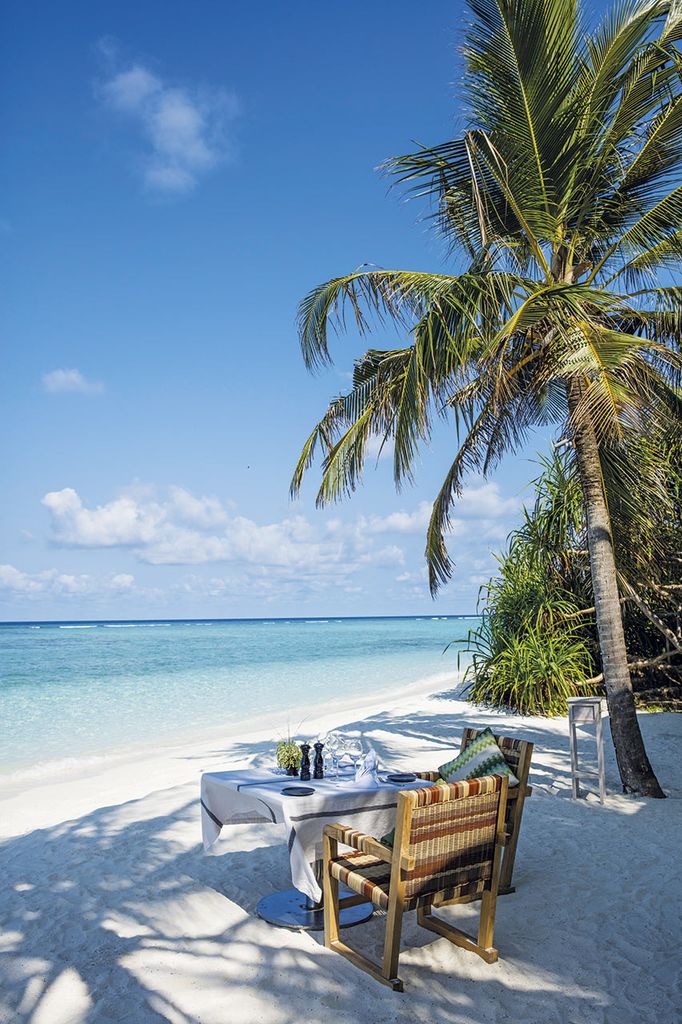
(562, 193)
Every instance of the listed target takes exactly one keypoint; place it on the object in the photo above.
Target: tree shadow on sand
(121, 910)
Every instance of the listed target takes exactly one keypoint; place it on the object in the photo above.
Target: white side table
(585, 712)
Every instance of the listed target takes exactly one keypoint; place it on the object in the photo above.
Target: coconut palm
(562, 202)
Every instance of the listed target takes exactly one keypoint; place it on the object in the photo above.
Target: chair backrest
(517, 753)
(447, 836)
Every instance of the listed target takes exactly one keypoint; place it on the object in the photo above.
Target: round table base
(290, 909)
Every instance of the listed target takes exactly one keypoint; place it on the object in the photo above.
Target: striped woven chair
(517, 753)
(448, 845)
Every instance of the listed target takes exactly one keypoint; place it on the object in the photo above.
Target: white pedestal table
(255, 795)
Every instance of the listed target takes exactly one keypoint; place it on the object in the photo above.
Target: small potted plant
(289, 756)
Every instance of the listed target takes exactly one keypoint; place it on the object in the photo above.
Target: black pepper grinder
(318, 772)
(305, 762)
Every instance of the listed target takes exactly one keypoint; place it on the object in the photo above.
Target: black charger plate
(402, 777)
(297, 791)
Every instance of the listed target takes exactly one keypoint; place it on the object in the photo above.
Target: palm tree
(563, 202)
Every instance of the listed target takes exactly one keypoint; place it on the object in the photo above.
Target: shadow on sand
(119, 916)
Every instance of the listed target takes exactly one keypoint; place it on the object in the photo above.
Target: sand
(111, 912)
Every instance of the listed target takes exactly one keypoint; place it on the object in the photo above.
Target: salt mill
(305, 762)
(318, 772)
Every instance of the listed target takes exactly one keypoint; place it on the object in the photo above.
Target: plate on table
(401, 777)
(297, 790)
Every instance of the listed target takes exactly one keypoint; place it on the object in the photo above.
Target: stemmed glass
(343, 752)
(331, 745)
(354, 748)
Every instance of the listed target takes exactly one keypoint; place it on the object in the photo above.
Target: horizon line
(246, 618)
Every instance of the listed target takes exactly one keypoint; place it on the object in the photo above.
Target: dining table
(265, 795)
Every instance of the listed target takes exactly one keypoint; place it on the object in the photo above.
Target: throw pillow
(481, 757)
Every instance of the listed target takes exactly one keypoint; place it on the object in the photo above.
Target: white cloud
(123, 521)
(400, 522)
(128, 90)
(287, 558)
(379, 448)
(183, 129)
(12, 578)
(52, 582)
(178, 528)
(70, 380)
(483, 500)
(421, 576)
(202, 511)
(388, 557)
(122, 581)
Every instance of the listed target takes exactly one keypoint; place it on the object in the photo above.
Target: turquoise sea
(71, 689)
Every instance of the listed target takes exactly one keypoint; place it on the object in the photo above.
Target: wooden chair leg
(330, 890)
(457, 936)
(330, 887)
(394, 923)
(509, 855)
(508, 858)
(486, 923)
(376, 971)
(484, 946)
(385, 972)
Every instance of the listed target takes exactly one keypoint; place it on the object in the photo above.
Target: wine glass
(331, 746)
(343, 753)
(354, 748)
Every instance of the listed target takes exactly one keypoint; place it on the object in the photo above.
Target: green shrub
(535, 647)
(533, 672)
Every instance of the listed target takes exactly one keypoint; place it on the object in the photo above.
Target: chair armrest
(514, 792)
(359, 841)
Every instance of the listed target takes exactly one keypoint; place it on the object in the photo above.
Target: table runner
(242, 797)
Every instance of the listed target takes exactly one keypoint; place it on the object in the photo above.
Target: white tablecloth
(239, 797)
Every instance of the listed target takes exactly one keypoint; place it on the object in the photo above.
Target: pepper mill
(305, 762)
(318, 772)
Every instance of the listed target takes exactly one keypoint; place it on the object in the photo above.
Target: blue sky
(177, 176)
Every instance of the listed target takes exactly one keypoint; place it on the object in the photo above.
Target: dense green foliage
(537, 642)
(532, 670)
(532, 649)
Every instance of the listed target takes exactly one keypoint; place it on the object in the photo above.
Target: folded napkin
(366, 773)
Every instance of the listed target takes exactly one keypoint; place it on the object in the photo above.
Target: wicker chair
(517, 754)
(448, 845)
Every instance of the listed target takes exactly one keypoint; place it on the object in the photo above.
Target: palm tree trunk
(636, 772)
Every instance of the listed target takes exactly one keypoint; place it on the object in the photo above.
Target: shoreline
(180, 686)
(137, 770)
(60, 769)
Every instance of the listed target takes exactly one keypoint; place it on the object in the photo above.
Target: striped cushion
(370, 877)
(480, 758)
(365, 875)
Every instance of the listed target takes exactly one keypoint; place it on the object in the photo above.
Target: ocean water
(74, 689)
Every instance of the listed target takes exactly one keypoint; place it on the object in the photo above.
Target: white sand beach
(110, 910)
